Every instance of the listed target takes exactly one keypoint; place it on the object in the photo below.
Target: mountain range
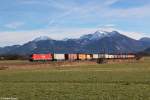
(147, 51)
(97, 42)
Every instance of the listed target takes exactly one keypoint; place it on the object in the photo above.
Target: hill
(98, 42)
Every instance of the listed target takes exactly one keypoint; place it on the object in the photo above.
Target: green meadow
(122, 81)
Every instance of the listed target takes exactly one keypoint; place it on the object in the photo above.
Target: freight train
(74, 57)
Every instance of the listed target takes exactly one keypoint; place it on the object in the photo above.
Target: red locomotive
(41, 57)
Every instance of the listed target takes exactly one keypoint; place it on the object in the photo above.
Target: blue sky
(24, 20)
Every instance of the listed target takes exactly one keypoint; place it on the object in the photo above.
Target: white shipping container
(88, 56)
(115, 56)
(131, 56)
(59, 56)
(111, 56)
(106, 56)
(101, 55)
(119, 56)
(123, 56)
(95, 56)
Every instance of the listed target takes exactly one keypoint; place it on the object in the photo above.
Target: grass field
(126, 81)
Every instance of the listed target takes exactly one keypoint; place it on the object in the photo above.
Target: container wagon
(95, 56)
(89, 56)
(81, 56)
(58, 57)
(131, 56)
(71, 57)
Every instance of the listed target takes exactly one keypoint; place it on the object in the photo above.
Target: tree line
(14, 57)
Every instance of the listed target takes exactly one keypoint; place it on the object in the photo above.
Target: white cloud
(14, 25)
(136, 12)
(110, 2)
(92, 11)
(107, 26)
(20, 37)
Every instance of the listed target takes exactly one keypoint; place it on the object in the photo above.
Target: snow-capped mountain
(98, 42)
(41, 38)
(99, 35)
